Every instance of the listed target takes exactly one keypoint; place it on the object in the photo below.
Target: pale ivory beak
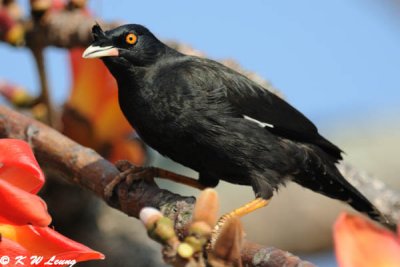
(100, 51)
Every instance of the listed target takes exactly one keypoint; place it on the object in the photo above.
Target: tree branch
(63, 29)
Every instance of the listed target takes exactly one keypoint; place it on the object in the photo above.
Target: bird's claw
(123, 165)
(217, 229)
(129, 174)
(239, 212)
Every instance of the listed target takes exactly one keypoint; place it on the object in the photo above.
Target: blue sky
(332, 59)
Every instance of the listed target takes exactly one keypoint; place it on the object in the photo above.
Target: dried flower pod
(78, 3)
(159, 227)
(197, 244)
(164, 230)
(15, 35)
(15, 94)
(206, 208)
(200, 228)
(227, 248)
(149, 216)
(40, 5)
(185, 250)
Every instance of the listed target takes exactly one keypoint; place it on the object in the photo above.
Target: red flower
(44, 242)
(19, 207)
(361, 243)
(20, 178)
(19, 166)
(24, 217)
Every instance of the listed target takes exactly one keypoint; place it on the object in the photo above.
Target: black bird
(216, 121)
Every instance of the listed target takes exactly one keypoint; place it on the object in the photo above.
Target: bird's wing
(260, 106)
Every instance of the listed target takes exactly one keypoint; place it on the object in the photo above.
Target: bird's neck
(130, 77)
(159, 52)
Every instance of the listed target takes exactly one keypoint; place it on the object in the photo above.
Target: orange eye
(131, 38)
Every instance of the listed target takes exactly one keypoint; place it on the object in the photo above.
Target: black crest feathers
(97, 32)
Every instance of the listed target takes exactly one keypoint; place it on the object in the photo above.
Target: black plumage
(216, 121)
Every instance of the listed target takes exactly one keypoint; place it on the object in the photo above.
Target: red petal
(19, 207)
(6, 21)
(92, 85)
(44, 241)
(131, 150)
(18, 165)
(359, 242)
(109, 116)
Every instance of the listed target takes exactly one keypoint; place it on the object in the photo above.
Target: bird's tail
(327, 180)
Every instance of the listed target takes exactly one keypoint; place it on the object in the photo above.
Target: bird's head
(125, 46)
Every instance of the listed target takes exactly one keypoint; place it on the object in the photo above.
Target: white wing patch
(260, 123)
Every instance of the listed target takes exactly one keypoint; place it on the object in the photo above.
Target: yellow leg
(239, 212)
(248, 208)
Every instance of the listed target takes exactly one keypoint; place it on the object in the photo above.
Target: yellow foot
(239, 212)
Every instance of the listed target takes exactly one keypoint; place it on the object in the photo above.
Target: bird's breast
(154, 118)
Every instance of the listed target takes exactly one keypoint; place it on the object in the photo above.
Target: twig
(63, 29)
(44, 85)
(79, 165)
